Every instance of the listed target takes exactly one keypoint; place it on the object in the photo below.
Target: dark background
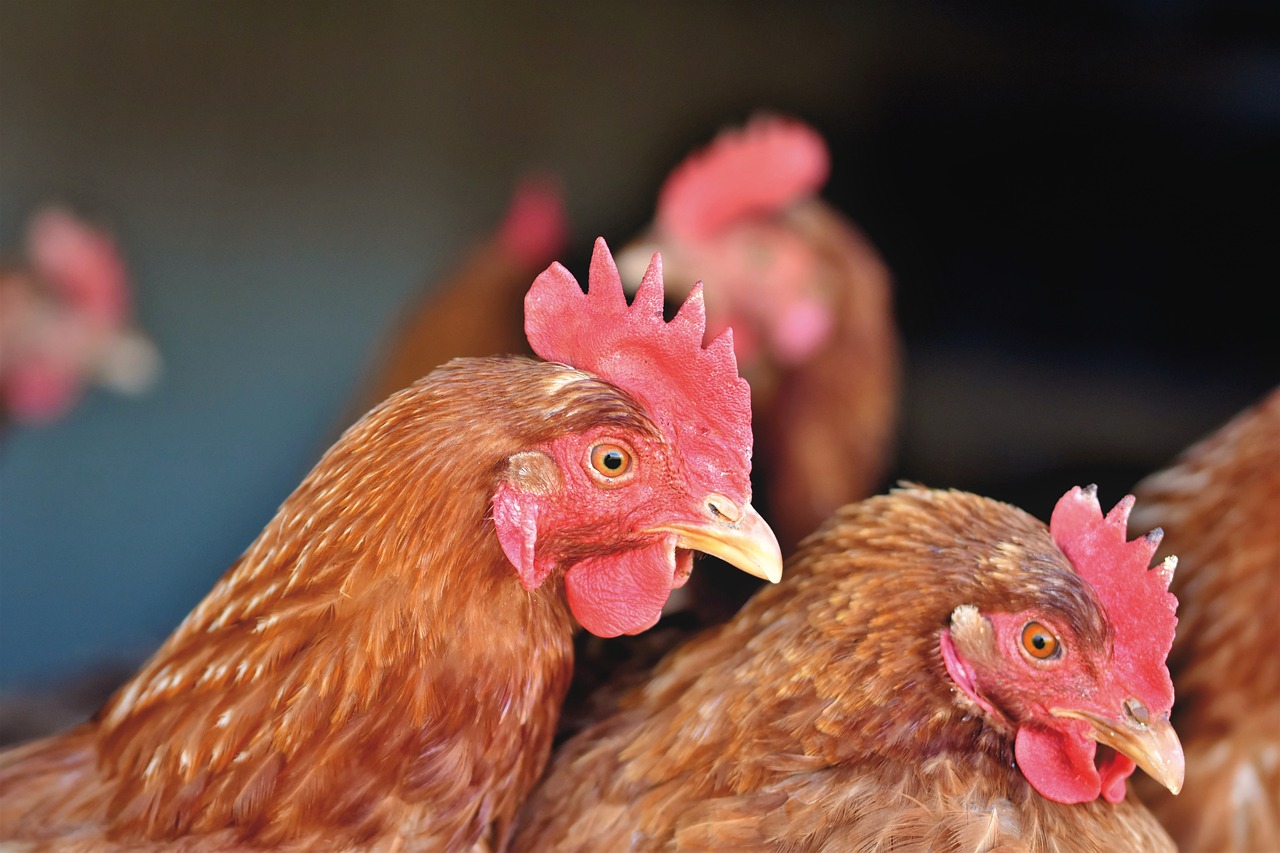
(1078, 201)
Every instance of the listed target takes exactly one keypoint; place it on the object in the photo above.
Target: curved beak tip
(1154, 746)
(747, 543)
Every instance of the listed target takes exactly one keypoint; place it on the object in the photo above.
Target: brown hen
(1219, 505)
(382, 668)
(933, 674)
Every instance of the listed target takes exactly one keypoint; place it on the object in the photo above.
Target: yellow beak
(1153, 745)
(739, 536)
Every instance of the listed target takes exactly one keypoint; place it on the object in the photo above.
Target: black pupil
(612, 460)
(1039, 642)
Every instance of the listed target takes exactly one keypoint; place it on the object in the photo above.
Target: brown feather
(821, 717)
(368, 674)
(1217, 504)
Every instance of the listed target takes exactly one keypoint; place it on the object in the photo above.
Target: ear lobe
(974, 635)
(515, 519)
(516, 505)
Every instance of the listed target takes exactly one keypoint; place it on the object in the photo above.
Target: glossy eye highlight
(1039, 642)
(610, 460)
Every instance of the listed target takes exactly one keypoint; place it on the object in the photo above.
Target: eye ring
(1039, 642)
(610, 461)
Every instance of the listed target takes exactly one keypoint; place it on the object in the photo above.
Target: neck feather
(372, 646)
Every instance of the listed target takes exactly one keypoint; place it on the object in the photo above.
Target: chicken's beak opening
(739, 536)
(1153, 745)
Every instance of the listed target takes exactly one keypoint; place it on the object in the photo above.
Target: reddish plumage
(373, 673)
(825, 714)
(1217, 503)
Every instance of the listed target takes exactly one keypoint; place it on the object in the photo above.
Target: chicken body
(382, 668)
(825, 717)
(810, 301)
(1217, 504)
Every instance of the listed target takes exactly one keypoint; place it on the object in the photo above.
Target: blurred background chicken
(66, 322)
(810, 302)
(1219, 506)
(936, 671)
(476, 309)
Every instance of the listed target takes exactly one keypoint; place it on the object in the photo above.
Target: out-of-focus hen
(476, 310)
(1219, 505)
(935, 673)
(382, 668)
(811, 305)
(66, 322)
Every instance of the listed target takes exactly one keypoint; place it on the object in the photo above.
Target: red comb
(1136, 598)
(691, 391)
(81, 262)
(758, 168)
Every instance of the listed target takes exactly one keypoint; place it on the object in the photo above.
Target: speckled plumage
(370, 674)
(822, 717)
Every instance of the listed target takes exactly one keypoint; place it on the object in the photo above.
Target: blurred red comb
(80, 262)
(758, 168)
(535, 227)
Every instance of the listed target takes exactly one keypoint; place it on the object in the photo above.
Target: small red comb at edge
(661, 364)
(758, 168)
(1136, 597)
(535, 226)
(81, 262)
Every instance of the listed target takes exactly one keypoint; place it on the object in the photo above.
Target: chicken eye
(610, 460)
(1039, 642)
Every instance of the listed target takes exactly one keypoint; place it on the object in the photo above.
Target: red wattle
(1114, 770)
(1058, 762)
(622, 593)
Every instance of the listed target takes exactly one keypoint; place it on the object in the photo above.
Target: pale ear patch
(970, 642)
(516, 506)
(533, 472)
(973, 636)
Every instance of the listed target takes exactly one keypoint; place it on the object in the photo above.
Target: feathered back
(759, 168)
(693, 392)
(1139, 605)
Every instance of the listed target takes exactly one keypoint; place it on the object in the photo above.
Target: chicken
(475, 311)
(1217, 504)
(934, 673)
(382, 667)
(65, 322)
(811, 306)
(810, 303)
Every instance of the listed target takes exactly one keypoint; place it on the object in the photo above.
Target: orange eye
(610, 460)
(1038, 642)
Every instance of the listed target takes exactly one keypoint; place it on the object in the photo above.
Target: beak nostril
(723, 509)
(1136, 711)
